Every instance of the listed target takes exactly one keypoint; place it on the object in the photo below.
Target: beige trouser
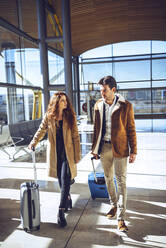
(118, 166)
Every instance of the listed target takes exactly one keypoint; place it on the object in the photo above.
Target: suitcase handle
(95, 177)
(34, 164)
(92, 158)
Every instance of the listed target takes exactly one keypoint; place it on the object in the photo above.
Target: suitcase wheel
(93, 198)
(38, 228)
(26, 229)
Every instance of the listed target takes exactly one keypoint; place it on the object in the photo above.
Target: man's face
(106, 92)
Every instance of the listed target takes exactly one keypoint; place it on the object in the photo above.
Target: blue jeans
(117, 166)
(64, 177)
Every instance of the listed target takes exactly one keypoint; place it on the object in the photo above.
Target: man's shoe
(121, 226)
(112, 212)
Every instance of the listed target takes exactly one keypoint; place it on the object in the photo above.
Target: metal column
(67, 47)
(77, 83)
(42, 34)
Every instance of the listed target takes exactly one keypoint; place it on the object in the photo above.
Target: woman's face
(62, 103)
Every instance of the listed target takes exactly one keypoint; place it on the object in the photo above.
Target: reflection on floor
(87, 225)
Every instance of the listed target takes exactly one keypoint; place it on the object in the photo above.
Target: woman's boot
(61, 218)
(68, 204)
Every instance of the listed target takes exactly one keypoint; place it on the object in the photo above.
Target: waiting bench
(5, 139)
(20, 135)
(23, 132)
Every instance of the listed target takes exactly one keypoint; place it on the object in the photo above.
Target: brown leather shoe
(112, 212)
(121, 226)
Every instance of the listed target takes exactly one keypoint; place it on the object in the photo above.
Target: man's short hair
(108, 80)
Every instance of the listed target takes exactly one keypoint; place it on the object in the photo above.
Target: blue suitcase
(97, 186)
(97, 189)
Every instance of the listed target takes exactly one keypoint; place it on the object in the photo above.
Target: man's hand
(95, 155)
(132, 158)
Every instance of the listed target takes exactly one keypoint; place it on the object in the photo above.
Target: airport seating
(5, 139)
(22, 133)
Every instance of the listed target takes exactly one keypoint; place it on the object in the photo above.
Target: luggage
(97, 188)
(96, 182)
(30, 203)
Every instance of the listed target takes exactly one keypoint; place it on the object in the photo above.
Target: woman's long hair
(53, 109)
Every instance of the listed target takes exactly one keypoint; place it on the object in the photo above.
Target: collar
(120, 98)
(114, 102)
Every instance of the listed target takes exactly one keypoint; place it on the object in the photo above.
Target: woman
(63, 150)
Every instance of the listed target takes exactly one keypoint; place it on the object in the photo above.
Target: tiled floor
(87, 225)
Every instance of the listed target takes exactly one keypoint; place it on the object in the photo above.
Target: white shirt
(108, 114)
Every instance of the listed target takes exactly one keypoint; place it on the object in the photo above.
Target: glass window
(56, 69)
(94, 72)
(27, 66)
(143, 125)
(20, 66)
(2, 70)
(131, 48)
(158, 46)
(87, 100)
(3, 105)
(9, 65)
(152, 125)
(159, 125)
(15, 105)
(54, 31)
(103, 51)
(28, 104)
(140, 75)
(132, 85)
(9, 42)
(159, 83)
(131, 57)
(159, 69)
(132, 70)
(141, 100)
(21, 105)
(134, 76)
(159, 101)
(83, 103)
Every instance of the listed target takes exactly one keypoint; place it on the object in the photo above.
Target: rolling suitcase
(96, 182)
(30, 202)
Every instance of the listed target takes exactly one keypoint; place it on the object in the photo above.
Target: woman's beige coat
(71, 142)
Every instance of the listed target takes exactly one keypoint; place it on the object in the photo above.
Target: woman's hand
(31, 147)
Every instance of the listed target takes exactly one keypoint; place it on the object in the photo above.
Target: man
(114, 140)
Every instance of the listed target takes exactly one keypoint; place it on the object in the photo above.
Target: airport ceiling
(93, 22)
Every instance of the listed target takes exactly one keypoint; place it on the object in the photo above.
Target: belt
(107, 141)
